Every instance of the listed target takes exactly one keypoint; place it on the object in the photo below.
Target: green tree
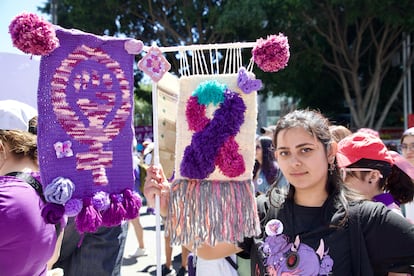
(341, 50)
(167, 23)
(356, 43)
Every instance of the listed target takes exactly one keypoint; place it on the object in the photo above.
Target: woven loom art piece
(212, 198)
(85, 131)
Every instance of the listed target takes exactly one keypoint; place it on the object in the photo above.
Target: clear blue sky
(8, 10)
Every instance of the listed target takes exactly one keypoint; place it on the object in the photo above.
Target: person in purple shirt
(27, 242)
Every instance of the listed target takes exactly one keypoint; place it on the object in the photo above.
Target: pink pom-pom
(132, 203)
(33, 35)
(271, 54)
(133, 46)
(88, 219)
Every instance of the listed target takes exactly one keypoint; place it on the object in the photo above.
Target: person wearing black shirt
(319, 227)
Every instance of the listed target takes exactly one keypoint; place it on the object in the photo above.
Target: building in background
(271, 108)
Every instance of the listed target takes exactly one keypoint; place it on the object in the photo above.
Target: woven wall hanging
(212, 198)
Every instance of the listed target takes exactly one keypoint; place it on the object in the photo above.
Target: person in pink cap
(379, 174)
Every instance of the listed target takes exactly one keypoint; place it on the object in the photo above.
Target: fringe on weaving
(205, 211)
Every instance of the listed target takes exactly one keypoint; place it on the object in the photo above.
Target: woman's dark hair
(400, 186)
(394, 180)
(33, 125)
(318, 126)
(269, 166)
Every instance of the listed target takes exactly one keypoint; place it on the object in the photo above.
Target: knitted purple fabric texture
(85, 131)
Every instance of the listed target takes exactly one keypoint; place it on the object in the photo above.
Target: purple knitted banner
(85, 102)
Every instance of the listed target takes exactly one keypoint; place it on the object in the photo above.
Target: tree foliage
(341, 50)
(357, 42)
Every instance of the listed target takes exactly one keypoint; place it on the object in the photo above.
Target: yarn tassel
(191, 263)
(115, 214)
(203, 211)
(88, 219)
(132, 203)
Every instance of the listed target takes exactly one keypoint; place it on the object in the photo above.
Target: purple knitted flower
(53, 213)
(101, 201)
(73, 207)
(59, 191)
(271, 54)
(33, 35)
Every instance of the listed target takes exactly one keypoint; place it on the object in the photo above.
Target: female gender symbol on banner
(95, 100)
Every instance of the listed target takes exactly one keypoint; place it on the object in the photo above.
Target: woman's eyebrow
(297, 146)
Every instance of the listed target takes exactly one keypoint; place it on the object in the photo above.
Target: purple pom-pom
(271, 54)
(53, 213)
(33, 35)
(116, 213)
(88, 219)
(132, 203)
(73, 207)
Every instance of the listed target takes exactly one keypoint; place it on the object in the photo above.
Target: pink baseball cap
(361, 145)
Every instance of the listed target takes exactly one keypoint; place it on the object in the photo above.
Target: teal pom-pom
(210, 92)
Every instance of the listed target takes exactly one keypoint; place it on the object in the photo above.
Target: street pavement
(146, 265)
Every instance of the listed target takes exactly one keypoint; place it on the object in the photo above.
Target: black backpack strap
(232, 263)
(360, 258)
(37, 186)
(31, 181)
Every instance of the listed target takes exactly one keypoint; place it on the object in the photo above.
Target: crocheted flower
(73, 207)
(101, 201)
(33, 35)
(271, 54)
(154, 64)
(247, 84)
(53, 213)
(59, 191)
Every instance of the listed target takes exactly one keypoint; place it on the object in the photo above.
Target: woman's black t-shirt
(313, 241)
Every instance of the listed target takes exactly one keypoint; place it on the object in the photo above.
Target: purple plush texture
(85, 96)
(73, 207)
(88, 219)
(200, 156)
(115, 213)
(132, 203)
(53, 213)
